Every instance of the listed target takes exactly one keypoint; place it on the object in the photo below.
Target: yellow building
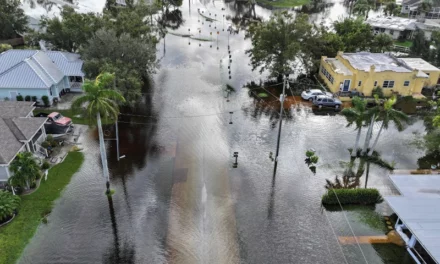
(364, 71)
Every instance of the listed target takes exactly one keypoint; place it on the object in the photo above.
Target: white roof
(394, 23)
(381, 61)
(339, 67)
(419, 208)
(419, 64)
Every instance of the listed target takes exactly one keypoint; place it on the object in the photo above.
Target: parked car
(327, 101)
(56, 123)
(311, 94)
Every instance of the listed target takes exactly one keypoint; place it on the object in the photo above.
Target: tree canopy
(355, 34)
(277, 43)
(12, 19)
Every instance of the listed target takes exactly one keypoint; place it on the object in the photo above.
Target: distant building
(364, 71)
(402, 28)
(39, 73)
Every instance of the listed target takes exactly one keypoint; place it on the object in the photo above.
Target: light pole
(279, 128)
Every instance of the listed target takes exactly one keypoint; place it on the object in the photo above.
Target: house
(409, 6)
(364, 71)
(427, 68)
(39, 73)
(418, 211)
(19, 131)
(396, 27)
(411, 9)
(403, 28)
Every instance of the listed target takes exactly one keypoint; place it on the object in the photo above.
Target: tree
(5, 47)
(382, 42)
(12, 17)
(387, 114)
(132, 59)
(363, 7)
(425, 6)
(322, 42)
(25, 170)
(100, 101)
(391, 8)
(277, 43)
(71, 31)
(8, 205)
(420, 46)
(356, 115)
(355, 34)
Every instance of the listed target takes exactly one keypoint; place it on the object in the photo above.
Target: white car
(311, 94)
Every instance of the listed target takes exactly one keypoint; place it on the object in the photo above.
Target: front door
(347, 85)
(13, 95)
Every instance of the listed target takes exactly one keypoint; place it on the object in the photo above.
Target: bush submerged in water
(352, 196)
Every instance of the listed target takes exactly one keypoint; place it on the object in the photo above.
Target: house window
(382, 30)
(327, 75)
(50, 91)
(406, 83)
(391, 32)
(375, 83)
(388, 84)
(359, 83)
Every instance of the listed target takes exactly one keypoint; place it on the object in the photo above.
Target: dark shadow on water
(271, 204)
(115, 254)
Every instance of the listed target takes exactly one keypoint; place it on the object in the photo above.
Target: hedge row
(352, 196)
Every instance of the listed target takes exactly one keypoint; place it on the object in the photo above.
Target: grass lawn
(69, 113)
(283, 3)
(15, 236)
(405, 43)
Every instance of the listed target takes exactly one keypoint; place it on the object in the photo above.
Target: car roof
(315, 90)
(53, 114)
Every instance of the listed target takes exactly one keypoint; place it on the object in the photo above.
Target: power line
(349, 225)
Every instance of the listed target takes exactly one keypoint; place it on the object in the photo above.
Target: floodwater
(177, 198)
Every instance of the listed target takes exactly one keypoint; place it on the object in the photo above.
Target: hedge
(352, 196)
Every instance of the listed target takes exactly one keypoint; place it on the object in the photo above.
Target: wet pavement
(178, 199)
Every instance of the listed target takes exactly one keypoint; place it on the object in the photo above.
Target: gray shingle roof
(15, 128)
(69, 63)
(36, 68)
(9, 109)
(9, 145)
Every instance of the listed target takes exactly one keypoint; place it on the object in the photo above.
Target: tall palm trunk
(376, 140)
(356, 145)
(368, 137)
(103, 153)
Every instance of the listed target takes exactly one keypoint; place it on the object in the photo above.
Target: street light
(280, 125)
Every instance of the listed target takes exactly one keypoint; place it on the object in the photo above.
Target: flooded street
(177, 198)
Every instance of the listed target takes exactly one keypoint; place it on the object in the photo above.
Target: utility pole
(279, 129)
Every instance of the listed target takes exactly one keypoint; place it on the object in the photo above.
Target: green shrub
(27, 98)
(378, 91)
(34, 98)
(310, 153)
(8, 205)
(352, 196)
(5, 47)
(45, 100)
(45, 165)
(19, 97)
(45, 144)
(314, 159)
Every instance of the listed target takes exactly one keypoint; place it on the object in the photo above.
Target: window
(391, 32)
(427, 73)
(375, 83)
(388, 84)
(327, 75)
(359, 83)
(330, 100)
(382, 30)
(325, 100)
(50, 90)
(406, 83)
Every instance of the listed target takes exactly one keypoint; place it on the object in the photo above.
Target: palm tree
(8, 205)
(356, 115)
(100, 101)
(362, 7)
(382, 42)
(387, 114)
(25, 170)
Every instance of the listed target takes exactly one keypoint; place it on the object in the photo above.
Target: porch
(34, 145)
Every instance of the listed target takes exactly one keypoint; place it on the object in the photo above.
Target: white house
(39, 73)
(19, 131)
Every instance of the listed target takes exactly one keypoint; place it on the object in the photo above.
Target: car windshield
(58, 116)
